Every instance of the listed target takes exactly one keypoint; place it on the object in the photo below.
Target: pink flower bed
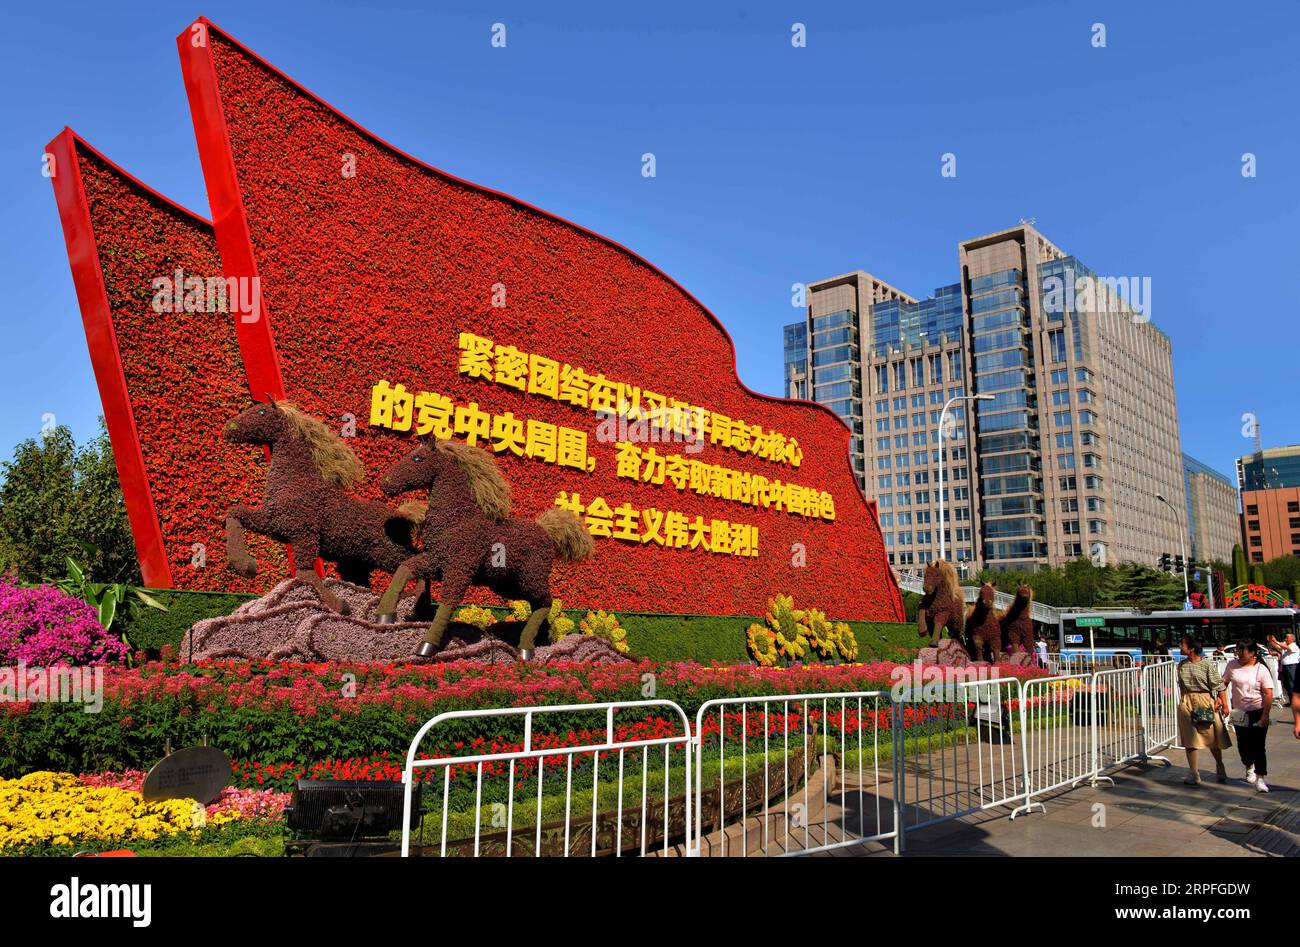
(264, 804)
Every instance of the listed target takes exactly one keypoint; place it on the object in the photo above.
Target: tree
(1078, 583)
(59, 502)
(1137, 586)
(1281, 573)
(1240, 571)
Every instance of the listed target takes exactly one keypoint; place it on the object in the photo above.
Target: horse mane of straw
(338, 466)
(947, 586)
(488, 487)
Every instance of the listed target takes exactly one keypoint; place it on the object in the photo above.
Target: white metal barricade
(783, 775)
(1056, 735)
(796, 773)
(1116, 720)
(960, 753)
(647, 807)
(1159, 681)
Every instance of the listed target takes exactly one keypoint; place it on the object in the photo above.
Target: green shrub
(151, 629)
(705, 639)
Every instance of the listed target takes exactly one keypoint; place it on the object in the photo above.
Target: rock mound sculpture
(291, 623)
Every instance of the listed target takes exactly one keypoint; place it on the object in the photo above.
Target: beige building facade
(1075, 434)
(1213, 511)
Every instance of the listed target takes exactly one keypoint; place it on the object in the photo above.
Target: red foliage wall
(373, 276)
(171, 380)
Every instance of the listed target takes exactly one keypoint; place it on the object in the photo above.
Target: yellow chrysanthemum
(57, 809)
(761, 644)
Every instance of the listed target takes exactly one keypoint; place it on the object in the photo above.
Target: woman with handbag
(1200, 723)
(1251, 690)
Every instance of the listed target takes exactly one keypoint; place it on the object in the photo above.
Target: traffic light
(1164, 562)
(1178, 563)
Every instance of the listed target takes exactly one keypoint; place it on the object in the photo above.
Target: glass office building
(796, 360)
(1065, 456)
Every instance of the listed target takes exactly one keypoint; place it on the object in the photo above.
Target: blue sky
(775, 164)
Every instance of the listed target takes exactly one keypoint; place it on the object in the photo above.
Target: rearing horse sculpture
(305, 503)
(470, 538)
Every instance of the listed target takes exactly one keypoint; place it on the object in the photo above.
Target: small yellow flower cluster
(602, 624)
(475, 615)
(561, 624)
(1073, 683)
(793, 634)
(57, 809)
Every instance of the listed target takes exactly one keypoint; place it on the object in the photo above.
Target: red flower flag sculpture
(168, 378)
(393, 300)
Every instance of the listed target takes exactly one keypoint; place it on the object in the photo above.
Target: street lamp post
(943, 449)
(1182, 538)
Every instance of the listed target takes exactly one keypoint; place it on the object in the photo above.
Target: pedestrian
(1250, 689)
(1295, 713)
(1201, 708)
(1289, 665)
(1040, 648)
(1161, 649)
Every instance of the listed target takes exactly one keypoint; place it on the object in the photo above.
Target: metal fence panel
(781, 775)
(1056, 734)
(961, 752)
(1116, 705)
(1159, 680)
(795, 774)
(526, 779)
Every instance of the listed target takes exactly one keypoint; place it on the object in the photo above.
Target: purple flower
(42, 626)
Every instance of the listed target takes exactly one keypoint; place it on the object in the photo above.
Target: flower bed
(279, 713)
(46, 812)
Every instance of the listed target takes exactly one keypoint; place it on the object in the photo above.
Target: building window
(1056, 345)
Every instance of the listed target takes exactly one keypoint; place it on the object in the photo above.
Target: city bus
(1111, 635)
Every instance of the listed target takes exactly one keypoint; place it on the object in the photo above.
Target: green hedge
(701, 638)
(152, 629)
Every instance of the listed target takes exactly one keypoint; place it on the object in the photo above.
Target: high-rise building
(796, 361)
(1212, 511)
(1074, 437)
(1269, 468)
(1270, 502)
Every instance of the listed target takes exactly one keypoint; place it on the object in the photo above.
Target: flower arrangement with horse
(469, 537)
(306, 503)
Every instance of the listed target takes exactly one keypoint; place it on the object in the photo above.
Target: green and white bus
(1103, 635)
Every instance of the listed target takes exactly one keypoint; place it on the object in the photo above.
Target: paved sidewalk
(1148, 811)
